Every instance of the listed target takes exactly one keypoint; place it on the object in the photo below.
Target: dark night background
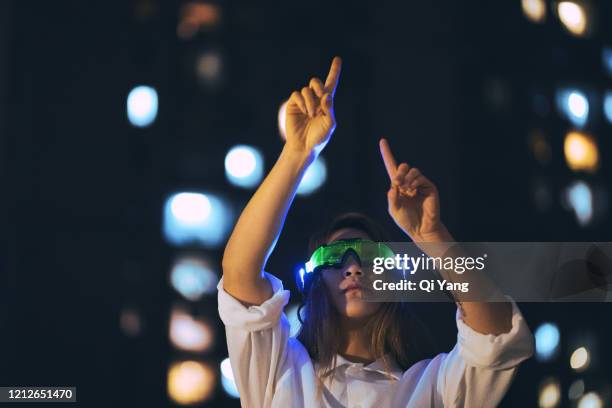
(450, 84)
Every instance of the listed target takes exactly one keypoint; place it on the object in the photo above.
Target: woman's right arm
(310, 122)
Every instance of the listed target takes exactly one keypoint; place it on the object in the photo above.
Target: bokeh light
(608, 106)
(190, 382)
(581, 153)
(574, 17)
(606, 59)
(195, 15)
(191, 208)
(579, 196)
(142, 104)
(574, 106)
(193, 277)
(189, 333)
(227, 379)
(550, 393)
(576, 390)
(282, 120)
(145, 9)
(130, 322)
(534, 10)
(244, 166)
(590, 400)
(580, 359)
(314, 177)
(209, 68)
(540, 147)
(196, 218)
(547, 341)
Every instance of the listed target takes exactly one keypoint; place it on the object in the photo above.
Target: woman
(350, 353)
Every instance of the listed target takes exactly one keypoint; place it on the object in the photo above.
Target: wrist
(300, 157)
(436, 242)
(437, 235)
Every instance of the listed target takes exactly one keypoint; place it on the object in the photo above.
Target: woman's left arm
(414, 205)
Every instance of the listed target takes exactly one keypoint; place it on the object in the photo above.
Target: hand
(414, 203)
(310, 119)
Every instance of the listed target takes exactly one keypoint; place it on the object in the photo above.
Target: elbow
(244, 283)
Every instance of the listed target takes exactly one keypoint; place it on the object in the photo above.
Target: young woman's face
(343, 283)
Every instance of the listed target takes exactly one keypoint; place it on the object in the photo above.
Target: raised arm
(310, 123)
(415, 207)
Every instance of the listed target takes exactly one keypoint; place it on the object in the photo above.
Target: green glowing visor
(333, 255)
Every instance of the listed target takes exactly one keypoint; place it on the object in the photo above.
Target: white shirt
(272, 369)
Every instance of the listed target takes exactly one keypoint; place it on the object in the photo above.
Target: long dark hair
(394, 328)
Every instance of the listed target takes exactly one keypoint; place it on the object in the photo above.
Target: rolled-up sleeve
(257, 339)
(480, 368)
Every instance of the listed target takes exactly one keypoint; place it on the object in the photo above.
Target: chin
(358, 309)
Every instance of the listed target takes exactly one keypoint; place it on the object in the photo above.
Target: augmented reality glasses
(334, 256)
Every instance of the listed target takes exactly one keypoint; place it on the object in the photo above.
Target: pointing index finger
(387, 156)
(334, 75)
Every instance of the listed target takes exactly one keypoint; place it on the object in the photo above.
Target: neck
(356, 342)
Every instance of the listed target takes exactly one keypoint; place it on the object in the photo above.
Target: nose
(351, 272)
(352, 267)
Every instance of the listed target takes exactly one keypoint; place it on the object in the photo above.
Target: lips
(352, 286)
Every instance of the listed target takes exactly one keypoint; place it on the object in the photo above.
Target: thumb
(327, 105)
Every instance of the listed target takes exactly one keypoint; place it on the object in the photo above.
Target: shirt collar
(377, 366)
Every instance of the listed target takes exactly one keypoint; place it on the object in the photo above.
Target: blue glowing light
(196, 218)
(608, 106)
(227, 379)
(313, 178)
(193, 277)
(606, 59)
(574, 105)
(302, 272)
(244, 166)
(547, 341)
(580, 198)
(142, 106)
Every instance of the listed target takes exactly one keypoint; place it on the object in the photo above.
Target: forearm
(484, 317)
(259, 226)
